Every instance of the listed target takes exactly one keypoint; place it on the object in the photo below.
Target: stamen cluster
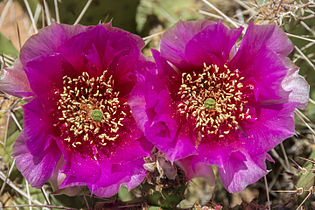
(215, 99)
(90, 112)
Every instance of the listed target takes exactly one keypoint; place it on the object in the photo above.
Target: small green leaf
(6, 46)
(124, 195)
(307, 180)
(168, 12)
(154, 208)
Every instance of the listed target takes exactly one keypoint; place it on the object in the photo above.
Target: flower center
(216, 99)
(90, 113)
(209, 103)
(97, 115)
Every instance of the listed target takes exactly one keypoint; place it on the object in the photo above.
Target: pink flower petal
(239, 171)
(36, 169)
(48, 40)
(196, 169)
(296, 84)
(175, 39)
(212, 45)
(14, 81)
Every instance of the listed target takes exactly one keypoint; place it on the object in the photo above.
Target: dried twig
(221, 13)
(7, 177)
(18, 190)
(48, 18)
(267, 193)
(57, 11)
(28, 194)
(305, 57)
(307, 125)
(82, 12)
(37, 205)
(31, 15)
(5, 11)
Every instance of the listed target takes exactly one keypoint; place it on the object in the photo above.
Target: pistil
(97, 115)
(209, 103)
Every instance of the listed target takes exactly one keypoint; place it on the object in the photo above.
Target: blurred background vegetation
(290, 183)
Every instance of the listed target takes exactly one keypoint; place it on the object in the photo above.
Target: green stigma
(209, 103)
(97, 115)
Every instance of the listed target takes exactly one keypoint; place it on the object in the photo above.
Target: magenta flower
(78, 116)
(218, 103)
